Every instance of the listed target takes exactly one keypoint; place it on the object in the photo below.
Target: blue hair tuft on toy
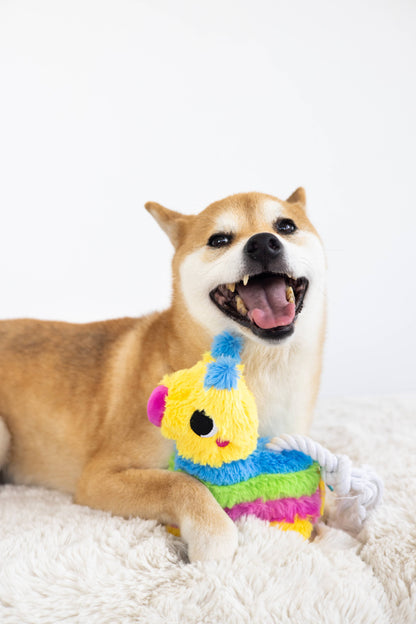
(228, 345)
(222, 374)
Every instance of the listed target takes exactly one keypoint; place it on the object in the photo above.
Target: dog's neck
(186, 340)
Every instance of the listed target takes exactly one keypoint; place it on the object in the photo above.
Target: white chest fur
(282, 379)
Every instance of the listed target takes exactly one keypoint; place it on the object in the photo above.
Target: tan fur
(73, 397)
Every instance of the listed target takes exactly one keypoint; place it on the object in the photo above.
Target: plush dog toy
(211, 414)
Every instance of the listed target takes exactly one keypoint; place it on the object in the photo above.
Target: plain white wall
(105, 105)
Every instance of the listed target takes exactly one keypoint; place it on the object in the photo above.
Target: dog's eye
(285, 226)
(219, 240)
(203, 425)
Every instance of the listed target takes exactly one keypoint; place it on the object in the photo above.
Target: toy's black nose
(263, 247)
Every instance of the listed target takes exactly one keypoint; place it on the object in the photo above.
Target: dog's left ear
(298, 197)
(171, 222)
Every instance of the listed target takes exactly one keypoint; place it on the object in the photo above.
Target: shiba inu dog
(73, 397)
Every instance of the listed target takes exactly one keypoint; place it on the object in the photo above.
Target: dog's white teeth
(231, 287)
(245, 279)
(290, 296)
(240, 305)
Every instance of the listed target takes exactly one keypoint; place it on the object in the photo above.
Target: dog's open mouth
(267, 303)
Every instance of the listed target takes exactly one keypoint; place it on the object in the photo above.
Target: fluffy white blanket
(63, 563)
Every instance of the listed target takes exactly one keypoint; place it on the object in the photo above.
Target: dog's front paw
(206, 543)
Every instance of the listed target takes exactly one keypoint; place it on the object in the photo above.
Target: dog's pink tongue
(266, 302)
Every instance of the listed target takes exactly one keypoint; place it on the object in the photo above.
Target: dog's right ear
(171, 222)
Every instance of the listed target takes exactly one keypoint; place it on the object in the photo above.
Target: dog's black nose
(263, 247)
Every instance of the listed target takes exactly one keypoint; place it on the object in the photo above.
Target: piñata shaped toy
(210, 413)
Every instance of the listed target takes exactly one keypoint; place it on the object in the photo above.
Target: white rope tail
(358, 490)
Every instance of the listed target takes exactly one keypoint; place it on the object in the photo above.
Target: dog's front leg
(169, 497)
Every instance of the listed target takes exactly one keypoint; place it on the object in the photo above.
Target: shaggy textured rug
(63, 563)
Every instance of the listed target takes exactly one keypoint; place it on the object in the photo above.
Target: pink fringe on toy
(281, 509)
(156, 405)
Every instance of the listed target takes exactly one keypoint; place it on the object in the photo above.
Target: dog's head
(250, 262)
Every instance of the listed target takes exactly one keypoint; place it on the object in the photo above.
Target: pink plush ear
(156, 405)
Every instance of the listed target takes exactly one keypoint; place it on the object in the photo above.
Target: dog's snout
(263, 247)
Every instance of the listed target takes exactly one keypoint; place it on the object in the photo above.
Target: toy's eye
(203, 425)
(219, 240)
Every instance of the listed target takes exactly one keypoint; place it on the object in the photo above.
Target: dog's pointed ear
(171, 222)
(298, 197)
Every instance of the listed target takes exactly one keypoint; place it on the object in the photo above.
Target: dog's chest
(282, 388)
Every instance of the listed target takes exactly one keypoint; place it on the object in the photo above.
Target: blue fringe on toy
(261, 461)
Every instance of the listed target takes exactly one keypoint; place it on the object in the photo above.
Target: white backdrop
(105, 105)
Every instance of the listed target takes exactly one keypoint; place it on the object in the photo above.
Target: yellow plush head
(208, 409)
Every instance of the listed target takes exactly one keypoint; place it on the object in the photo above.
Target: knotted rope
(358, 490)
